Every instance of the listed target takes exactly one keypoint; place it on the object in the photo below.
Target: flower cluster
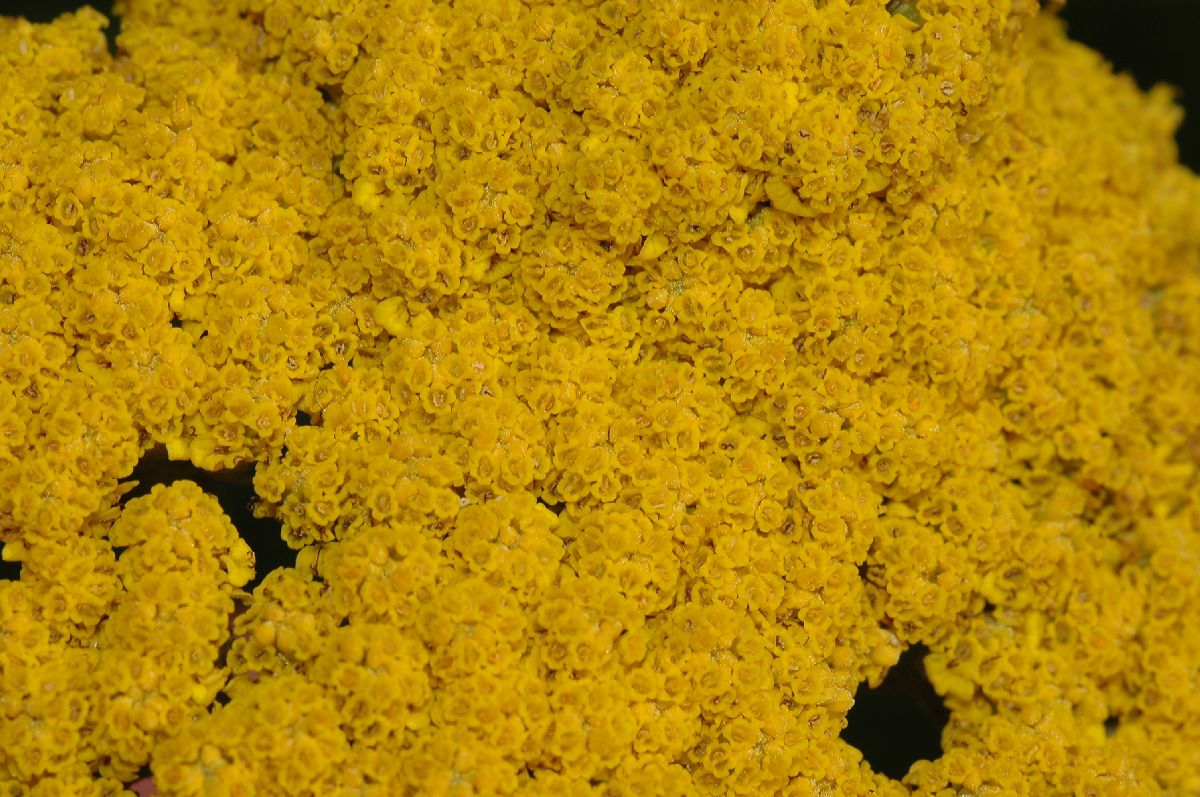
(635, 381)
(112, 643)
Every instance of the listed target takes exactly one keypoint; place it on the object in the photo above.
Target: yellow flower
(634, 381)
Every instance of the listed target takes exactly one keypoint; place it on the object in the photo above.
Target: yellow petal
(784, 198)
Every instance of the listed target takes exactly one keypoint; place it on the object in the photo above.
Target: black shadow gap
(900, 721)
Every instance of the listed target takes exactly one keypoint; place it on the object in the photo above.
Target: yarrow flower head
(634, 383)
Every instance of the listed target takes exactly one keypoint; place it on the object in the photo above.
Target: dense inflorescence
(671, 367)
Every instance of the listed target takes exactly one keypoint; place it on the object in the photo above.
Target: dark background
(1153, 39)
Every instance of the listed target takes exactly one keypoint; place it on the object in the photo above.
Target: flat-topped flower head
(635, 383)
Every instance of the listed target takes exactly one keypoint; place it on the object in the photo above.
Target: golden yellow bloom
(634, 381)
